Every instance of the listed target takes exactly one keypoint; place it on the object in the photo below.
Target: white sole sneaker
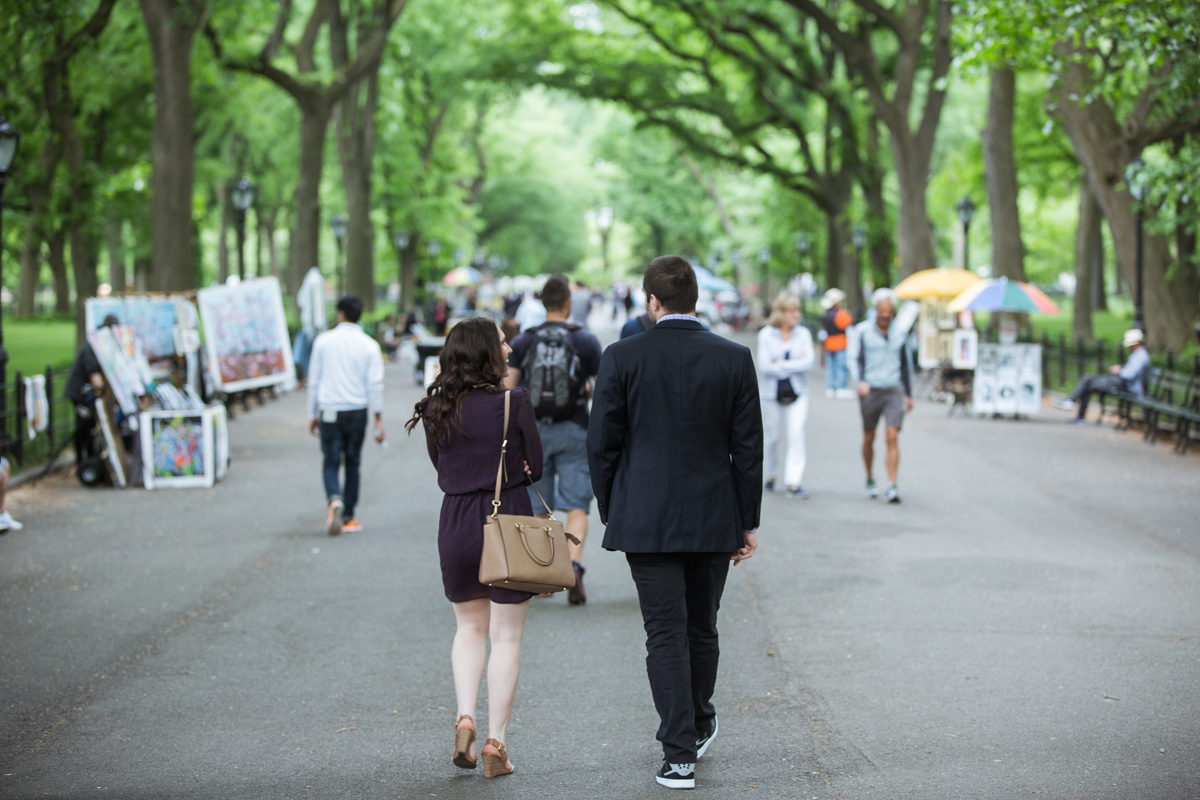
(702, 745)
(334, 519)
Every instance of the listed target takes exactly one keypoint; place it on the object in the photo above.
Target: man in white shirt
(345, 383)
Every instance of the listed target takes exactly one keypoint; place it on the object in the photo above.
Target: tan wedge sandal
(464, 737)
(495, 760)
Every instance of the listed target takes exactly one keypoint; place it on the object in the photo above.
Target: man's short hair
(880, 295)
(110, 321)
(673, 281)
(555, 293)
(351, 308)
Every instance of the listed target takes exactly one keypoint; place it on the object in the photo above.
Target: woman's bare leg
(468, 653)
(504, 664)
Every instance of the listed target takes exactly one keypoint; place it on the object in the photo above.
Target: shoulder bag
(524, 553)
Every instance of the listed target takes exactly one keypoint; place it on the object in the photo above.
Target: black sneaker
(677, 776)
(576, 596)
(704, 741)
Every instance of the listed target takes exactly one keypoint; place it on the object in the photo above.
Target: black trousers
(342, 441)
(680, 594)
(1094, 384)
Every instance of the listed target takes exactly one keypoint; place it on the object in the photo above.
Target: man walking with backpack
(557, 361)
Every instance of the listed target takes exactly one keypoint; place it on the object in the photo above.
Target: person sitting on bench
(1129, 378)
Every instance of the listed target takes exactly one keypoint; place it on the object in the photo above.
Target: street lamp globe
(859, 237)
(764, 254)
(9, 140)
(243, 195)
(434, 247)
(802, 243)
(604, 220)
(401, 240)
(338, 223)
(966, 210)
(1135, 179)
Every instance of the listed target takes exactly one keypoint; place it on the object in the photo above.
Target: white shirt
(778, 359)
(530, 313)
(345, 372)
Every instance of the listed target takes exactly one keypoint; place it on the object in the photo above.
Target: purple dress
(466, 467)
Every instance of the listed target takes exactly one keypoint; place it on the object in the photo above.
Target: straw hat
(1132, 337)
(832, 298)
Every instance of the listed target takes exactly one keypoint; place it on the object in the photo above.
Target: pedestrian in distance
(463, 419)
(785, 355)
(345, 386)
(675, 446)
(581, 304)
(1129, 378)
(557, 361)
(834, 324)
(882, 370)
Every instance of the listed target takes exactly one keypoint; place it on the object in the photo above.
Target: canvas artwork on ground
(246, 334)
(178, 446)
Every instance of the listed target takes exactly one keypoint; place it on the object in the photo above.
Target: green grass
(32, 344)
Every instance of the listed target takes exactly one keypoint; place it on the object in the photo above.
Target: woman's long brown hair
(471, 359)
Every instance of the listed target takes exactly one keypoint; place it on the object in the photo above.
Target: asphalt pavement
(1025, 623)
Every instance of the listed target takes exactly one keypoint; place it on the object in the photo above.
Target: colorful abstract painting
(153, 320)
(245, 334)
(178, 446)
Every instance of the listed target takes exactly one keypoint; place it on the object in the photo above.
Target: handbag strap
(500, 470)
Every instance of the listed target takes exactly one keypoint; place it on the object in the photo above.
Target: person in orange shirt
(833, 334)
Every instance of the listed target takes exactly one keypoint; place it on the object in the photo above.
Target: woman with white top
(785, 355)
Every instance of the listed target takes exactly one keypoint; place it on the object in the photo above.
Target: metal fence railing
(1064, 361)
(15, 442)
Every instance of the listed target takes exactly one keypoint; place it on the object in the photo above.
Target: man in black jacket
(675, 448)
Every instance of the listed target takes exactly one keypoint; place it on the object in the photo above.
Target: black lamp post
(401, 242)
(1137, 188)
(338, 223)
(433, 248)
(10, 139)
(764, 258)
(858, 237)
(966, 210)
(604, 221)
(802, 245)
(242, 195)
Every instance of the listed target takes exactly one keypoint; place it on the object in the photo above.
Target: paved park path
(1025, 624)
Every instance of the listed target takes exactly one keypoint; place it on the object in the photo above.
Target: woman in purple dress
(463, 419)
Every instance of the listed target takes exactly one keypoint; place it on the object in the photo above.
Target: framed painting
(114, 447)
(177, 449)
(245, 334)
(154, 321)
(124, 377)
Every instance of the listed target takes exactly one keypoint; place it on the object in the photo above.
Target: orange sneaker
(352, 526)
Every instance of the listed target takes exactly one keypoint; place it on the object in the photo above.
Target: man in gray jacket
(879, 364)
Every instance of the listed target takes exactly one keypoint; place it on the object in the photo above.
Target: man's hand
(379, 434)
(746, 550)
(863, 389)
(314, 427)
(908, 405)
(1115, 369)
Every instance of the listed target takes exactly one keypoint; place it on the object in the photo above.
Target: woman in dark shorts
(463, 419)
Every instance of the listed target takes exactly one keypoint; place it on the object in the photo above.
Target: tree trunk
(225, 213)
(914, 233)
(268, 225)
(842, 260)
(113, 228)
(306, 229)
(408, 274)
(1000, 169)
(31, 266)
(56, 257)
(141, 274)
(1089, 256)
(1104, 153)
(356, 140)
(1099, 281)
(172, 26)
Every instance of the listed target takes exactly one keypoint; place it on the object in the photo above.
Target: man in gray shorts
(880, 364)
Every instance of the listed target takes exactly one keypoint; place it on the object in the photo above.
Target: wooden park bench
(1171, 401)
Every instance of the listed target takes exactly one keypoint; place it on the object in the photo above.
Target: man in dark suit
(675, 447)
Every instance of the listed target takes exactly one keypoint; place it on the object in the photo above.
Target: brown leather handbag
(528, 554)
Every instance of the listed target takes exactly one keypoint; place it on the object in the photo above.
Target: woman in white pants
(785, 355)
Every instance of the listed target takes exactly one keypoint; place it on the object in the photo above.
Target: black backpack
(553, 372)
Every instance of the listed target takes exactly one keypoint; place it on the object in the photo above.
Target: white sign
(1008, 379)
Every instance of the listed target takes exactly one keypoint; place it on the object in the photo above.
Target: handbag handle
(500, 471)
(525, 543)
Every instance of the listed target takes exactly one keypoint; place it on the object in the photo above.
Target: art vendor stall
(152, 431)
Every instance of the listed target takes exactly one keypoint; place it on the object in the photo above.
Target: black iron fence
(15, 441)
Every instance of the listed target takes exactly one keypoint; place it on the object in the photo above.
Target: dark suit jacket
(675, 442)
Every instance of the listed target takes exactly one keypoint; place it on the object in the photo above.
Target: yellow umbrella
(936, 283)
